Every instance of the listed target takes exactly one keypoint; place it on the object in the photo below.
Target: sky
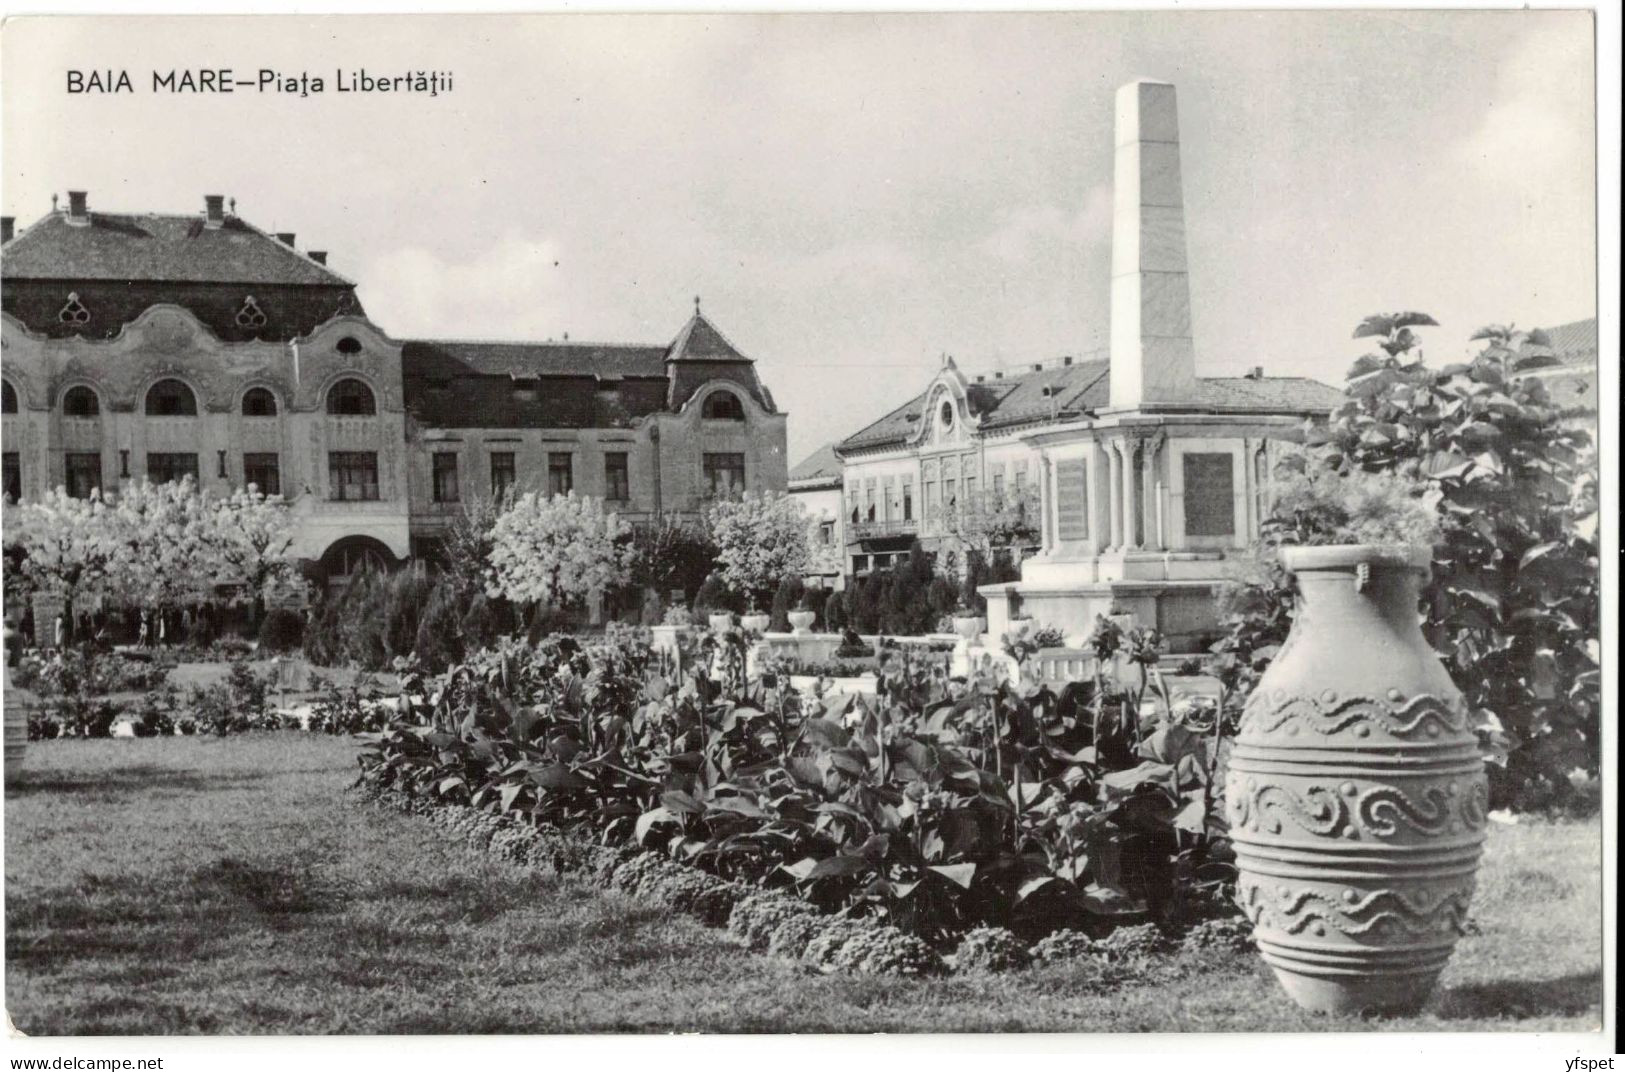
(855, 196)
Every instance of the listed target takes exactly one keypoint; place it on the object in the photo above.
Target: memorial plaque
(1071, 500)
(1210, 505)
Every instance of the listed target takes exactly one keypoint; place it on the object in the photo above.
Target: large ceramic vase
(1356, 793)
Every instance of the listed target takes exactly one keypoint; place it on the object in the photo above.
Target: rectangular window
(84, 474)
(931, 503)
(970, 492)
(1021, 477)
(826, 533)
(908, 499)
(1210, 505)
(950, 494)
(445, 477)
(503, 473)
(617, 477)
(869, 499)
(164, 468)
(852, 503)
(998, 489)
(560, 473)
(352, 476)
(264, 471)
(14, 476)
(724, 474)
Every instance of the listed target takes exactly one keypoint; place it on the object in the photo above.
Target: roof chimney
(1038, 366)
(214, 206)
(1153, 357)
(1256, 372)
(286, 238)
(78, 211)
(318, 255)
(998, 375)
(980, 379)
(1067, 360)
(7, 225)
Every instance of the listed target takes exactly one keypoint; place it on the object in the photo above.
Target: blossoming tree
(556, 551)
(761, 538)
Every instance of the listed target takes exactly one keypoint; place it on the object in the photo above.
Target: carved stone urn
(1356, 794)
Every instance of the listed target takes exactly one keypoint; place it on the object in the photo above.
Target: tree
(1514, 601)
(556, 551)
(63, 546)
(253, 535)
(761, 538)
(986, 521)
(170, 547)
(672, 555)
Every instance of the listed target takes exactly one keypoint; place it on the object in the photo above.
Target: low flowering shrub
(755, 920)
(1064, 945)
(991, 949)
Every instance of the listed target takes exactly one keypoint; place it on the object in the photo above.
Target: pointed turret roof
(701, 341)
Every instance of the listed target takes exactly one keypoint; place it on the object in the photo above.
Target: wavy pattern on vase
(1377, 913)
(1329, 714)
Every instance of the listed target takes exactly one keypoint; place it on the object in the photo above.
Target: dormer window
(945, 415)
(81, 402)
(250, 315)
(259, 402)
(723, 406)
(74, 312)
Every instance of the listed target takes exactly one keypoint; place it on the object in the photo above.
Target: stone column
(1098, 501)
(1131, 501)
(1114, 462)
(1151, 490)
(1047, 505)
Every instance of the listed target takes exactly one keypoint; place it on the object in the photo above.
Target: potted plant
(1356, 792)
(802, 618)
(756, 621)
(967, 622)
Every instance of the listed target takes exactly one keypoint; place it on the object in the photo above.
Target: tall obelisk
(1153, 358)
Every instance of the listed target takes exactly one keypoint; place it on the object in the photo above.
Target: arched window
(171, 398)
(258, 402)
(81, 402)
(8, 403)
(723, 406)
(351, 398)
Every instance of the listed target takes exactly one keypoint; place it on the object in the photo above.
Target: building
(1572, 380)
(816, 483)
(1127, 484)
(162, 346)
(654, 430)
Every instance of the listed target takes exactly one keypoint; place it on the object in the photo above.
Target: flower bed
(774, 923)
(936, 807)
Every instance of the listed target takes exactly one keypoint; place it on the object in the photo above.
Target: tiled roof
(1074, 389)
(1574, 343)
(159, 248)
(441, 358)
(821, 466)
(701, 341)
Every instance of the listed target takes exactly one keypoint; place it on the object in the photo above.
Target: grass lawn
(221, 886)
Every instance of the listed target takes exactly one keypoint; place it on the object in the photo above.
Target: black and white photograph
(1038, 524)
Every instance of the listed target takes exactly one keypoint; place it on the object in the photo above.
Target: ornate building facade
(163, 346)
